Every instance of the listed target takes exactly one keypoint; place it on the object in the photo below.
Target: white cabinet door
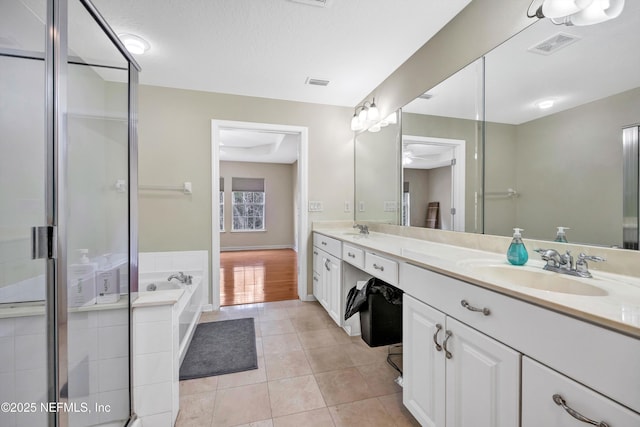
(333, 273)
(483, 380)
(423, 391)
(317, 276)
(539, 386)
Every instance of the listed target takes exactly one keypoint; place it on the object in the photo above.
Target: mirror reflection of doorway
(433, 182)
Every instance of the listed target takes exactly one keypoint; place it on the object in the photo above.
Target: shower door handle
(44, 242)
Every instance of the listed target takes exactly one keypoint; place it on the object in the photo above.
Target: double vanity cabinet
(473, 356)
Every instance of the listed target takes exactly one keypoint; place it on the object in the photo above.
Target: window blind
(247, 184)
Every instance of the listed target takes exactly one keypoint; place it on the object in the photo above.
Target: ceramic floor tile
(276, 327)
(361, 354)
(241, 405)
(380, 377)
(263, 423)
(342, 337)
(196, 408)
(281, 343)
(312, 323)
(286, 365)
(342, 386)
(306, 309)
(236, 379)
(199, 385)
(259, 347)
(325, 359)
(396, 409)
(317, 338)
(363, 413)
(315, 418)
(293, 395)
(273, 314)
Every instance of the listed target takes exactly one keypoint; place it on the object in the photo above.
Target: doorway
(443, 160)
(238, 153)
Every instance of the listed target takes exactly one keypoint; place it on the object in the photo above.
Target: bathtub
(187, 300)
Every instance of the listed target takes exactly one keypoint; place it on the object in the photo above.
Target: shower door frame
(56, 191)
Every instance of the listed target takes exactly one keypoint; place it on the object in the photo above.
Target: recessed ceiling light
(547, 103)
(134, 44)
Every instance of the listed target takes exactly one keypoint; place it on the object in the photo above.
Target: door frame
(301, 213)
(458, 173)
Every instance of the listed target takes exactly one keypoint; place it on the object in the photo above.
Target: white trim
(303, 220)
(254, 248)
(457, 173)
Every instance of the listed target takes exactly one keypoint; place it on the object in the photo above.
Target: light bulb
(356, 124)
(596, 12)
(561, 8)
(363, 115)
(373, 114)
(134, 44)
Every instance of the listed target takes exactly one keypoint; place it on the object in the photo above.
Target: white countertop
(619, 309)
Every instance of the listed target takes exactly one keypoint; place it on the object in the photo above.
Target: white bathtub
(188, 302)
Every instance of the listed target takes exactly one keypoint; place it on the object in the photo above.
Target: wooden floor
(248, 277)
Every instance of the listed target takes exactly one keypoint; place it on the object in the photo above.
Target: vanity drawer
(353, 255)
(328, 244)
(382, 268)
(583, 351)
(540, 384)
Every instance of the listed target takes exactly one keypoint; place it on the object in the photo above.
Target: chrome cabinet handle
(469, 307)
(378, 267)
(561, 402)
(350, 255)
(323, 243)
(447, 353)
(326, 266)
(315, 252)
(435, 337)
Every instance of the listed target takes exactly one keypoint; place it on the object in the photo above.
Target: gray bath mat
(220, 348)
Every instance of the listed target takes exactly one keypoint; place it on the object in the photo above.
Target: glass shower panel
(97, 224)
(23, 341)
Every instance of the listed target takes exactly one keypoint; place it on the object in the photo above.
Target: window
(248, 197)
(221, 204)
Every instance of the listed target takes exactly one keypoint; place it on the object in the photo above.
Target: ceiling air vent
(318, 3)
(316, 82)
(425, 96)
(554, 44)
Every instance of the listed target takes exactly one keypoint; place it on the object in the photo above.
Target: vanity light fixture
(134, 44)
(368, 113)
(578, 12)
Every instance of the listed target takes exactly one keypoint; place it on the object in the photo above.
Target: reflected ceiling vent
(425, 96)
(316, 82)
(318, 3)
(554, 44)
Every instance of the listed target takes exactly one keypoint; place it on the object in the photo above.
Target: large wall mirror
(547, 109)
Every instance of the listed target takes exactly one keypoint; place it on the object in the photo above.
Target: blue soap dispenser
(517, 253)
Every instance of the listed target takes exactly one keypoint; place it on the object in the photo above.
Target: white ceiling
(258, 146)
(268, 48)
(603, 62)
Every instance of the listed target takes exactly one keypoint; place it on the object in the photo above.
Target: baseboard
(254, 248)
(207, 307)
(310, 297)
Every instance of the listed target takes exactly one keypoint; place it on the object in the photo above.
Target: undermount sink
(160, 285)
(539, 279)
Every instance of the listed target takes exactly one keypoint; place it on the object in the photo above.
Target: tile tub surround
(620, 310)
(303, 359)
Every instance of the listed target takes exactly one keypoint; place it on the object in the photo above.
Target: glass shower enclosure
(68, 234)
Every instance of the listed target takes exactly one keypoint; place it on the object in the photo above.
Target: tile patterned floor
(310, 374)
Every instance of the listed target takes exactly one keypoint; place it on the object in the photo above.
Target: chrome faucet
(364, 229)
(182, 278)
(563, 263)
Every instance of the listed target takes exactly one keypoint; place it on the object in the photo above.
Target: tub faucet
(182, 278)
(563, 263)
(364, 229)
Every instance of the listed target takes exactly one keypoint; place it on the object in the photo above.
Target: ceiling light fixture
(578, 12)
(368, 113)
(134, 44)
(545, 104)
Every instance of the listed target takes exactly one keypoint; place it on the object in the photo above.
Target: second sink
(538, 279)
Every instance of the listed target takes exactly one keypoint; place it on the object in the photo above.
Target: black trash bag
(357, 298)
